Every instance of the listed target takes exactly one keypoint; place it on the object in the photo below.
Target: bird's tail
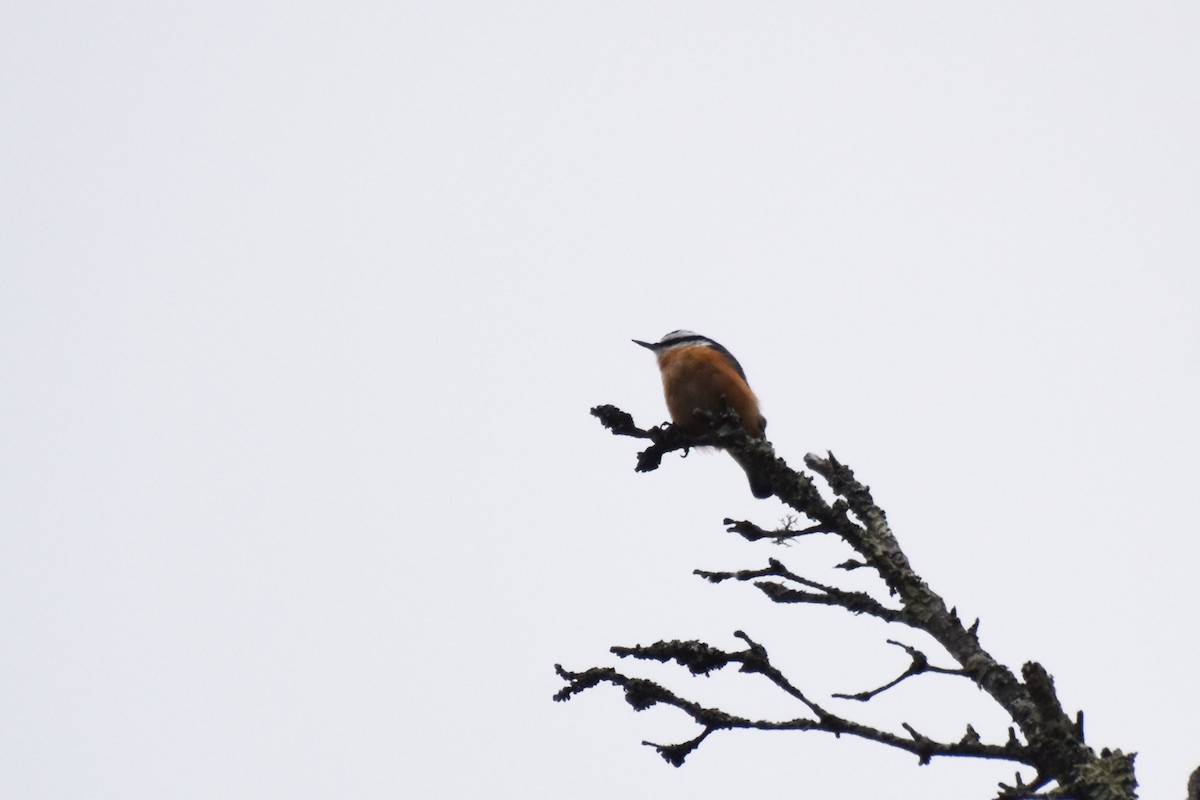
(758, 487)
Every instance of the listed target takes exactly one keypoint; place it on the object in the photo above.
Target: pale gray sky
(303, 307)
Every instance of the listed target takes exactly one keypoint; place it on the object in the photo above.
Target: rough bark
(1043, 737)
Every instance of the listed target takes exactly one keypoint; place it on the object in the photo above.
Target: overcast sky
(303, 306)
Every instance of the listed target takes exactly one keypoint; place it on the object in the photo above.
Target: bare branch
(1037, 715)
(752, 533)
(642, 694)
(698, 657)
(619, 422)
(675, 754)
(1052, 743)
(920, 664)
(855, 602)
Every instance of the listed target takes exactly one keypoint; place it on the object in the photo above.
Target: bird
(700, 374)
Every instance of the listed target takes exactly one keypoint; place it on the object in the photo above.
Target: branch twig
(920, 664)
(1054, 742)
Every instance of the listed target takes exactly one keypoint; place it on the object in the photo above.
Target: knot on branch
(924, 747)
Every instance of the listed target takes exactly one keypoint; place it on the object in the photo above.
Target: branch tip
(1053, 741)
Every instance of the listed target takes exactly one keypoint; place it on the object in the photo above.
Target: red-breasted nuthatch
(699, 374)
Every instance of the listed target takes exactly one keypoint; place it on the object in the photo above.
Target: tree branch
(1054, 743)
(920, 665)
(702, 659)
(854, 602)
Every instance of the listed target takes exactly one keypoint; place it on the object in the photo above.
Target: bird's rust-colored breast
(697, 378)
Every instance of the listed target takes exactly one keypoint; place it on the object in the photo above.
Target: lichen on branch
(1043, 737)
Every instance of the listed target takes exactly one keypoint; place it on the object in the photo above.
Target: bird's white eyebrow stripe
(696, 340)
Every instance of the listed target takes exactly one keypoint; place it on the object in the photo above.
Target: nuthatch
(699, 374)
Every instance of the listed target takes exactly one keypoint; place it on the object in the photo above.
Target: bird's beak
(644, 344)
